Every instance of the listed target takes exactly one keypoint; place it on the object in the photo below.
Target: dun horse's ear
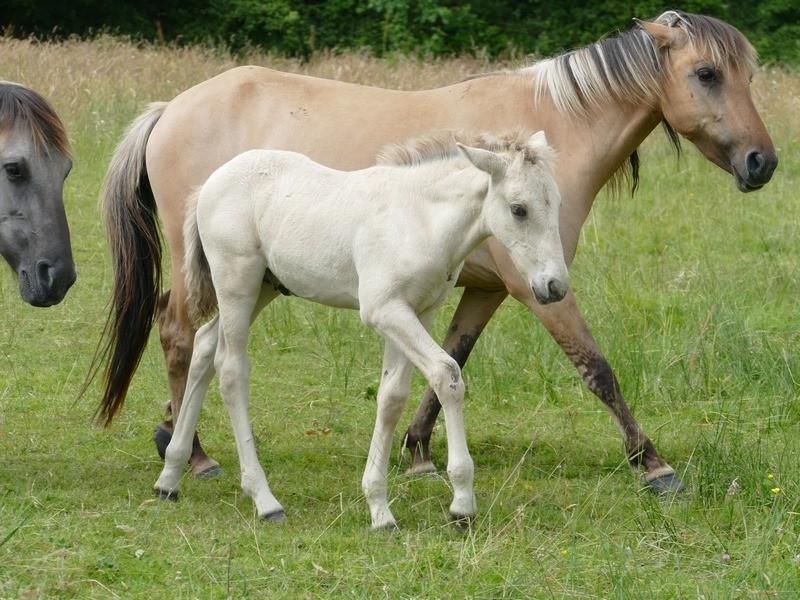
(664, 35)
(485, 160)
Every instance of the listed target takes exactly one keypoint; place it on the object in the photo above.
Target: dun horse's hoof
(167, 495)
(462, 522)
(277, 517)
(423, 468)
(208, 473)
(666, 484)
(162, 438)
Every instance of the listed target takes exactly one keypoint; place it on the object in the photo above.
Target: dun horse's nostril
(755, 164)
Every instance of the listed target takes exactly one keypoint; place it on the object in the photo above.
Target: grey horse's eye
(518, 211)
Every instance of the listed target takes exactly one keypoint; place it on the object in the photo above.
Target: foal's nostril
(555, 289)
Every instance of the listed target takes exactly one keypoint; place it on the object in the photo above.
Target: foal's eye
(706, 75)
(13, 171)
(518, 211)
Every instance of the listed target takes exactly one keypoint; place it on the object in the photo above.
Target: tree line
(384, 27)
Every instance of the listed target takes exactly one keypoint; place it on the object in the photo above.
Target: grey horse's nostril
(44, 275)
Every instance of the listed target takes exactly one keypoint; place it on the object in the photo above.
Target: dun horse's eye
(13, 172)
(518, 211)
(706, 75)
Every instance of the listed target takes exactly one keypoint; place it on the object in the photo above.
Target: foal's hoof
(167, 495)
(276, 517)
(162, 438)
(668, 483)
(462, 522)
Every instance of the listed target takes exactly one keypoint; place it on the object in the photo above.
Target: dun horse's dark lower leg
(572, 334)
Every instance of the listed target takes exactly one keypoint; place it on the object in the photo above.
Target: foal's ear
(538, 140)
(485, 160)
(666, 36)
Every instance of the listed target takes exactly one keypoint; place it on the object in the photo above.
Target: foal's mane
(628, 66)
(443, 144)
(20, 105)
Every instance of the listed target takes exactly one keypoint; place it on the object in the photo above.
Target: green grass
(690, 289)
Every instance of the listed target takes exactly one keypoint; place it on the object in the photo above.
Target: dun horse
(388, 241)
(596, 104)
(35, 158)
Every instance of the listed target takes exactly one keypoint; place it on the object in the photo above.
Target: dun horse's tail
(201, 299)
(130, 214)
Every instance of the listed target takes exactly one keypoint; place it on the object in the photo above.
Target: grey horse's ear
(485, 160)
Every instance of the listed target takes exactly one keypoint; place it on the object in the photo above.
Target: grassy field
(690, 289)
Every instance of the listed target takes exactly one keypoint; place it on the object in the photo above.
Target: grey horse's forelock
(628, 66)
(20, 105)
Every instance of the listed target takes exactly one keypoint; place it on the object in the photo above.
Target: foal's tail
(129, 210)
(201, 299)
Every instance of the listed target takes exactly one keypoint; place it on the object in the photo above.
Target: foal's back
(317, 228)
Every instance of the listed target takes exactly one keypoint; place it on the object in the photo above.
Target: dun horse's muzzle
(759, 169)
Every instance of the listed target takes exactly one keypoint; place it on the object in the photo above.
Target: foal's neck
(457, 209)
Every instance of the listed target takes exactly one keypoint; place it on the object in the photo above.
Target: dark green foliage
(425, 27)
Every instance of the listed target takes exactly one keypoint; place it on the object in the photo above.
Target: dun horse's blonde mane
(20, 105)
(628, 66)
(441, 145)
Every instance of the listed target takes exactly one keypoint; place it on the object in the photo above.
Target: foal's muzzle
(554, 291)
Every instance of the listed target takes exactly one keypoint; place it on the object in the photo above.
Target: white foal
(390, 241)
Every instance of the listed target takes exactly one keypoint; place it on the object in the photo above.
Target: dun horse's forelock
(728, 47)
(442, 145)
(20, 105)
(627, 65)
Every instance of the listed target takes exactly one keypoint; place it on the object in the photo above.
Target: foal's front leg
(396, 322)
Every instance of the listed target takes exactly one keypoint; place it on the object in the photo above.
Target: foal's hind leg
(180, 446)
(176, 335)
